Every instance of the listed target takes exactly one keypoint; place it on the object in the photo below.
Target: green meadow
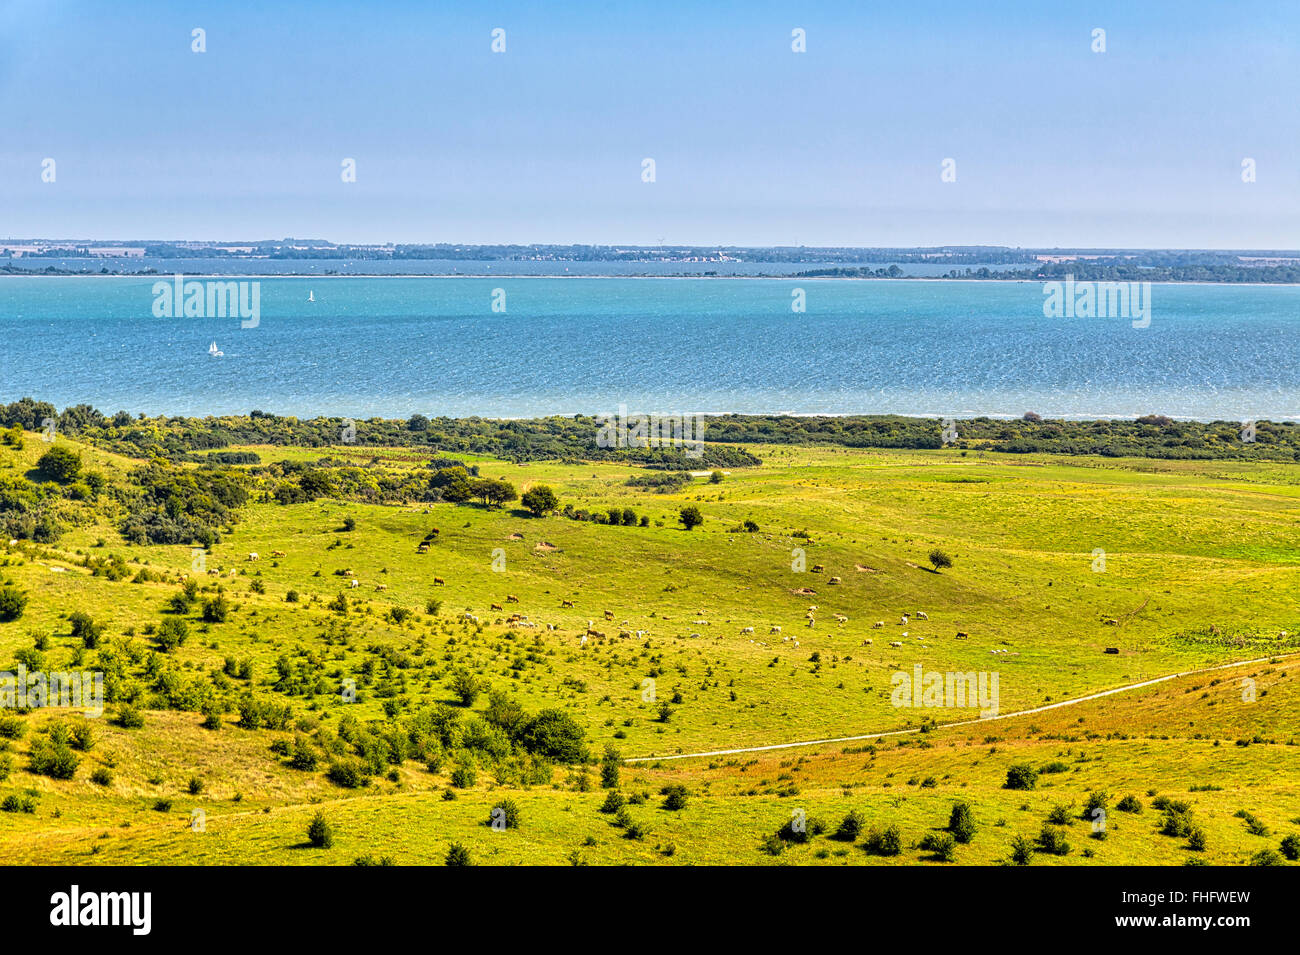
(641, 634)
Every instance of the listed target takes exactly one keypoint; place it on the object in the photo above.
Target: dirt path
(941, 726)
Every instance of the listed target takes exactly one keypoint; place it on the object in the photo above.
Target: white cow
(252, 555)
(354, 583)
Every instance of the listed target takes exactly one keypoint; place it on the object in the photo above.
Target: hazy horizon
(842, 145)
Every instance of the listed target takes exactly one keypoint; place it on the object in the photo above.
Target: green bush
(1053, 842)
(216, 610)
(674, 797)
(60, 464)
(1129, 804)
(942, 844)
(1021, 776)
(319, 832)
(504, 813)
(171, 633)
(128, 717)
(53, 758)
(884, 842)
(464, 776)
(961, 823)
(1290, 845)
(850, 827)
(1022, 851)
(457, 855)
(614, 801)
(12, 603)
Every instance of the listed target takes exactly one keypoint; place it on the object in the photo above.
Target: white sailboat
(212, 350)
(311, 296)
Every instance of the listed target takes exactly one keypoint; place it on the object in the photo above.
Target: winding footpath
(987, 719)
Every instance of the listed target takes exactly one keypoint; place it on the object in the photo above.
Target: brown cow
(511, 599)
(439, 580)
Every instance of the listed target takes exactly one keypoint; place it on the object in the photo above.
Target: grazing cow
(1112, 649)
(920, 615)
(962, 635)
(439, 581)
(811, 621)
(833, 580)
(511, 599)
(422, 549)
(641, 633)
(496, 607)
(877, 625)
(841, 618)
(867, 642)
(895, 643)
(594, 633)
(354, 583)
(234, 571)
(818, 568)
(747, 630)
(252, 555)
(566, 603)
(381, 586)
(904, 623)
(625, 633)
(277, 553)
(775, 630)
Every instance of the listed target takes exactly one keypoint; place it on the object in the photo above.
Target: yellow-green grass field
(1200, 567)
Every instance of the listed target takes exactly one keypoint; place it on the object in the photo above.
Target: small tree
(540, 500)
(675, 797)
(609, 768)
(961, 823)
(1021, 776)
(691, 517)
(504, 815)
(466, 687)
(319, 832)
(457, 855)
(171, 633)
(12, 603)
(940, 560)
(216, 610)
(850, 827)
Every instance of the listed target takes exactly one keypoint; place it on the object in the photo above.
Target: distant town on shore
(114, 257)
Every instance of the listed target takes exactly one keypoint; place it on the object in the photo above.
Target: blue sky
(842, 145)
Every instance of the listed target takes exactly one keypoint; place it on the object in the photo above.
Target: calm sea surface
(395, 346)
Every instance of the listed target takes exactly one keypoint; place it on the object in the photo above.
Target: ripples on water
(392, 347)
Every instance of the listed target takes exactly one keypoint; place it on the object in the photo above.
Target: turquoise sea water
(396, 346)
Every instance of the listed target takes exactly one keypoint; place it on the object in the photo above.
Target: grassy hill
(1178, 565)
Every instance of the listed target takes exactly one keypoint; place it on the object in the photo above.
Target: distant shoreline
(161, 276)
